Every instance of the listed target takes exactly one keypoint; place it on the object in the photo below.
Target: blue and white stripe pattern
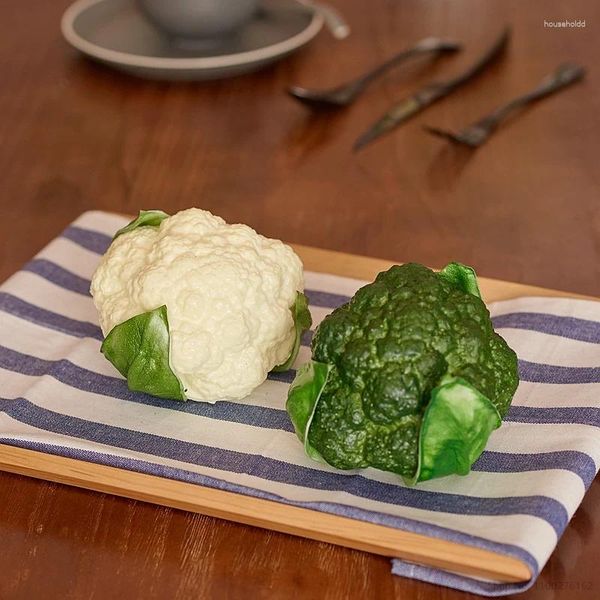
(60, 396)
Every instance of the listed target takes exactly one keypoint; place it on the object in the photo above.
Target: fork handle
(424, 46)
(564, 76)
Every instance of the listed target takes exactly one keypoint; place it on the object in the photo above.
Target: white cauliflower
(227, 290)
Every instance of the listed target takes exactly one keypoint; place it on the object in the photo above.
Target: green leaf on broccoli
(146, 218)
(302, 322)
(139, 349)
(461, 276)
(303, 397)
(454, 431)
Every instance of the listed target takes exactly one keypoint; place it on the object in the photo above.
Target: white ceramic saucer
(116, 33)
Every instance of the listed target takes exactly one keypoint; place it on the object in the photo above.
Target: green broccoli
(408, 376)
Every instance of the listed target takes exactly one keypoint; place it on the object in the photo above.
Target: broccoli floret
(396, 341)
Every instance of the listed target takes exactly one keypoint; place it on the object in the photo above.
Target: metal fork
(345, 94)
(477, 133)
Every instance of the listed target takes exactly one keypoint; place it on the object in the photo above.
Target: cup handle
(337, 25)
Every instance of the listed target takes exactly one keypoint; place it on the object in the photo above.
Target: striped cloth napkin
(59, 395)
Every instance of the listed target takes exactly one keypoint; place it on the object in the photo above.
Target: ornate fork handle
(426, 45)
(564, 76)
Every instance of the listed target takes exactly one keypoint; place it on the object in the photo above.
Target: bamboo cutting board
(307, 523)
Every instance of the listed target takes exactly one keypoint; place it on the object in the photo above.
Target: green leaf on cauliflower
(139, 349)
(417, 378)
(302, 322)
(146, 218)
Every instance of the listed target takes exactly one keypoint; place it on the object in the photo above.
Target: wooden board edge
(366, 267)
(258, 512)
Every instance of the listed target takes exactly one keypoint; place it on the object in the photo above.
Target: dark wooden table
(76, 136)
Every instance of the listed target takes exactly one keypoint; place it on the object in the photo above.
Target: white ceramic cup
(198, 19)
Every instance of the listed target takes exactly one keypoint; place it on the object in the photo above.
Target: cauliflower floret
(228, 293)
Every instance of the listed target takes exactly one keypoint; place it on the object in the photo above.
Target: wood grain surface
(319, 526)
(525, 208)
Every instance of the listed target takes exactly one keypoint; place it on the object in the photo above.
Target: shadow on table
(446, 168)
